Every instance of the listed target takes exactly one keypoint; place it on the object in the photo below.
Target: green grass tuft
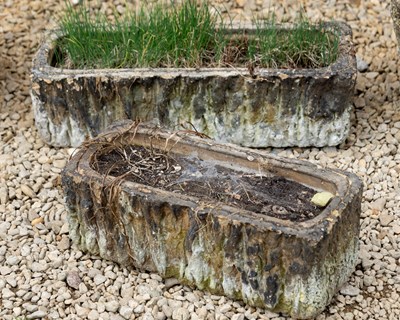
(305, 46)
(188, 35)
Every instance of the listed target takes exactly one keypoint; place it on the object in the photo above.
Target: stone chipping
(42, 275)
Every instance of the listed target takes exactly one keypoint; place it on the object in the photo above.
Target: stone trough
(265, 107)
(288, 266)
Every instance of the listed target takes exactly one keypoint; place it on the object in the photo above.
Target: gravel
(43, 276)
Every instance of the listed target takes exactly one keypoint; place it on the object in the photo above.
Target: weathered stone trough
(270, 262)
(267, 107)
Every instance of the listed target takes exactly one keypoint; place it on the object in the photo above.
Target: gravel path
(43, 277)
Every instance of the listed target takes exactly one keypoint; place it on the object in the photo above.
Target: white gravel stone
(4, 226)
(385, 219)
(17, 311)
(180, 314)
(82, 288)
(4, 270)
(99, 279)
(7, 293)
(191, 297)
(37, 315)
(43, 159)
(349, 290)
(112, 306)
(59, 163)
(138, 309)
(116, 317)
(13, 260)
(93, 315)
(378, 204)
(64, 243)
(362, 65)
(127, 291)
(167, 310)
(11, 281)
(125, 312)
(39, 266)
(30, 307)
(396, 228)
(3, 195)
(202, 312)
(28, 191)
(148, 316)
(82, 312)
(94, 272)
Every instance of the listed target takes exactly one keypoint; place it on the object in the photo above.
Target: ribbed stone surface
(284, 266)
(295, 107)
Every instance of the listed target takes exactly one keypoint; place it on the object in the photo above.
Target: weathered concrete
(273, 107)
(294, 268)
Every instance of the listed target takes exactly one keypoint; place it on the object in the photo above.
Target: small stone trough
(265, 257)
(259, 108)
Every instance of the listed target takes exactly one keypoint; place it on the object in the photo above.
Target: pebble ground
(42, 276)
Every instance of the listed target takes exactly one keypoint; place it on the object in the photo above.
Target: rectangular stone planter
(285, 266)
(272, 107)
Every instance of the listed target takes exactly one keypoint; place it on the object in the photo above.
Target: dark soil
(272, 196)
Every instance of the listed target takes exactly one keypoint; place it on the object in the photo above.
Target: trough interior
(236, 160)
(220, 166)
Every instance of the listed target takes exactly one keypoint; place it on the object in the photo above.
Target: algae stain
(270, 113)
(262, 112)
